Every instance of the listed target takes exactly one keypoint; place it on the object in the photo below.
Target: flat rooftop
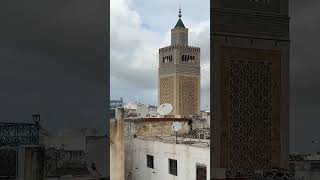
(203, 143)
(156, 119)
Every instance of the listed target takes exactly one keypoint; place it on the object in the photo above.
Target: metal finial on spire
(179, 11)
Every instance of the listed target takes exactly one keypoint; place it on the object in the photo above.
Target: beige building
(250, 56)
(179, 73)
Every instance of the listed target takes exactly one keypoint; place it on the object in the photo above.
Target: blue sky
(138, 29)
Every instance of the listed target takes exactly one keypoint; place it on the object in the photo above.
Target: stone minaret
(179, 73)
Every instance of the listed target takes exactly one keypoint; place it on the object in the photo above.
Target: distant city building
(179, 73)
(306, 167)
(131, 110)
(114, 104)
(152, 111)
(250, 56)
(206, 115)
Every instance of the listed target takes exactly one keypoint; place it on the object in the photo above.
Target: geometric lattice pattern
(189, 95)
(250, 123)
(15, 134)
(167, 90)
(265, 174)
(7, 162)
(250, 114)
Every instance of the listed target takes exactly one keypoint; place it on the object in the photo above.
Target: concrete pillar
(30, 163)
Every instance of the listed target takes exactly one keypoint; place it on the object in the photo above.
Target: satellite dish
(164, 109)
(176, 126)
(142, 110)
(131, 105)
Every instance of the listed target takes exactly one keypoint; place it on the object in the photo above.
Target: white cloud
(134, 52)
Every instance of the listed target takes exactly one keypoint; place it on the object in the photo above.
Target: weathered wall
(96, 149)
(57, 160)
(8, 161)
(33, 163)
(305, 171)
(117, 170)
(154, 128)
(200, 124)
(187, 158)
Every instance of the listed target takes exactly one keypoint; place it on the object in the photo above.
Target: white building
(163, 159)
(206, 116)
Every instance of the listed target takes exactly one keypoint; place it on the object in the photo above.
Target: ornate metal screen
(8, 162)
(14, 134)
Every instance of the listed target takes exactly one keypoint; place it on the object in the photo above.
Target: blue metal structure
(116, 103)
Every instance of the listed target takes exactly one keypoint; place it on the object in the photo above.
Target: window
(292, 166)
(261, 1)
(173, 167)
(167, 59)
(187, 58)
(315, 166)
(201, 172)
(150, 161)
(201, 135)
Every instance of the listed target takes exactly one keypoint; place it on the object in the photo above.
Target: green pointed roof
(179, 24)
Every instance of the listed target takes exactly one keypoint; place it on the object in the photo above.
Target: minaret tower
(179, 73)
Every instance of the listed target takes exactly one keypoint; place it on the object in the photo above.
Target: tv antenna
(164, 109)
(176, 126)
(142, 110)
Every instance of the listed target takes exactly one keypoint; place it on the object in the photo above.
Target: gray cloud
(134, 48)
(53, 61)
(305, 77)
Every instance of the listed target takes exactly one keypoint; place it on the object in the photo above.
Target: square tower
(250, 57)
(179, 73)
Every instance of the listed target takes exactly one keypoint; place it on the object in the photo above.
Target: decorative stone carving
(189, 95)
(250, 120)
(250, 113)
(167, 90)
